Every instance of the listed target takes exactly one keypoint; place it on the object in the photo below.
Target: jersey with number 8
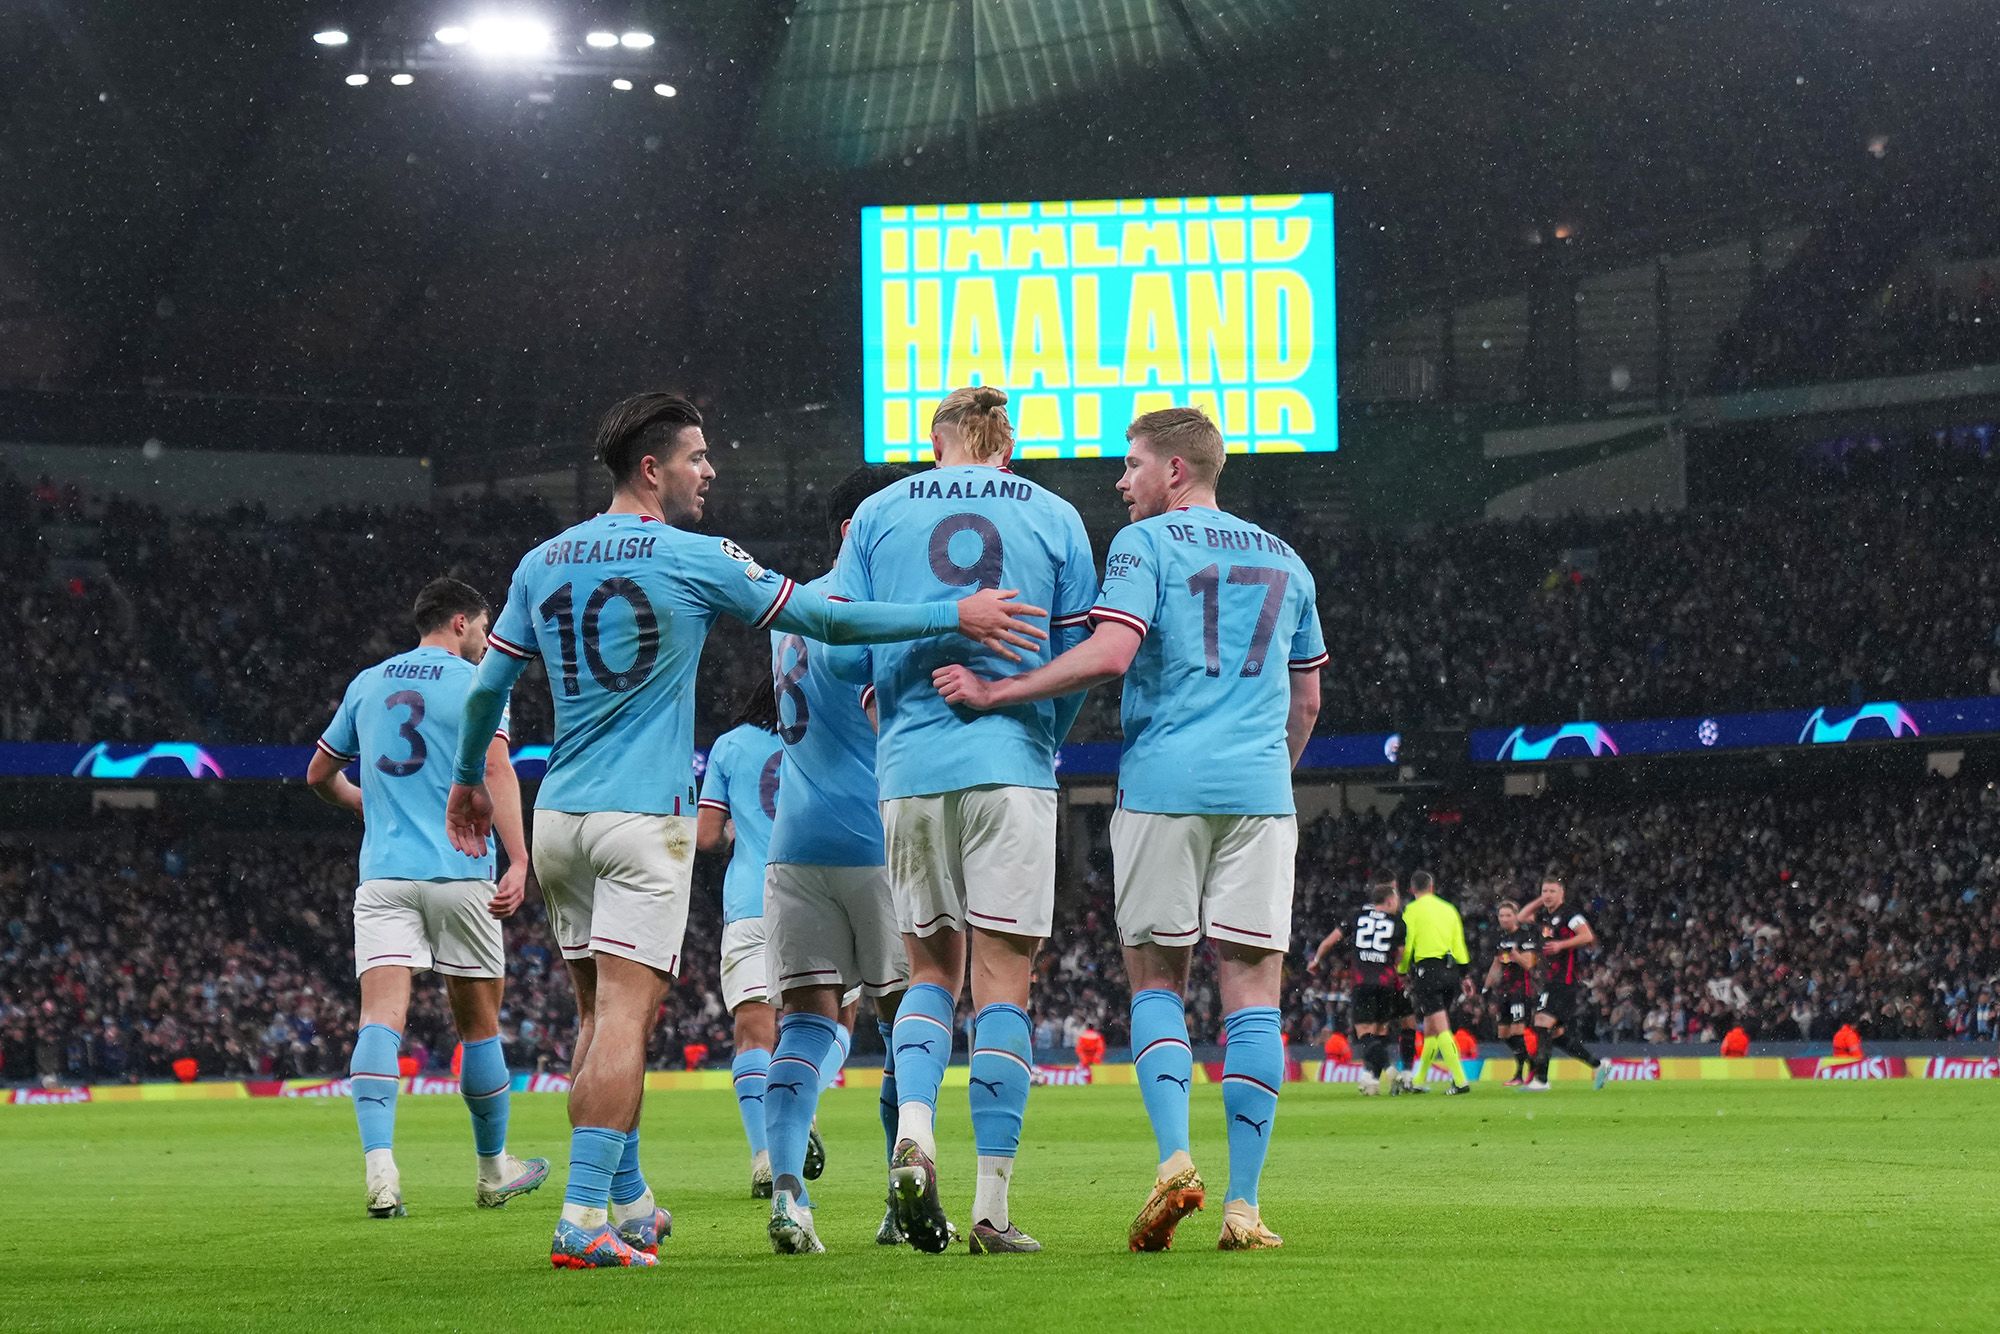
(937, 536)
(1227, 613)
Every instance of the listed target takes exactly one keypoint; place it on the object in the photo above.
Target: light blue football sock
(1253, 1069)
(628, 1183)
(805, 1044)
(374, 1080)
(594, 1152)
(888, 1098)
(485, 1084)
(1002, 1060)
(751, 1070)
(836, 1060)
(920, 1043)
(1164, 1063)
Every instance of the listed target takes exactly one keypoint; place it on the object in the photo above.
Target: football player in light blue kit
(827, 901)
(617, 608)
(423, 904)
(1211, 622)
(968, 800)
(739, 799)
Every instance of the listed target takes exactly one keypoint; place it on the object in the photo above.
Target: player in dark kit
(1511, 981)
(1563, 933)
(1375, 948)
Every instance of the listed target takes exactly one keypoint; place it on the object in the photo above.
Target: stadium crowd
(134, 944)
(1861, 591)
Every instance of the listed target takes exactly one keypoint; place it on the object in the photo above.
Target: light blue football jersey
(617, 608)
(934, 537)
(400, 720)
(1225, 609)
(742, 782)
(830, 814)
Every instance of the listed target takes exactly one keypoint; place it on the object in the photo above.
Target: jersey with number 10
(1224, 609)
(935, 537)
(400, 719)
(618, 608)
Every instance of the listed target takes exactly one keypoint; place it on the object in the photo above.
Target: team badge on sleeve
(751, 569)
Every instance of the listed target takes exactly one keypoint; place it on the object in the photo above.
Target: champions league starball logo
(1590, 737)
(1893, 716)
(1708, 733)
(191, 760)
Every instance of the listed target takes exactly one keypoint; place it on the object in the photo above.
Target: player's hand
(962, 686)
(468, 818)
(994, 619)
(507, 895)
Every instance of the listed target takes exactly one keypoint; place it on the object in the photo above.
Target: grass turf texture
(1663, 1206)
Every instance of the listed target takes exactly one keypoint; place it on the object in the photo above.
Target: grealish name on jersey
(999, 488)
(560, 552)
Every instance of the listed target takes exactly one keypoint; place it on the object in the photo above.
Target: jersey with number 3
(1224, 609)
(938, 536)
(618, 608)
(399, 719)
(742, 782)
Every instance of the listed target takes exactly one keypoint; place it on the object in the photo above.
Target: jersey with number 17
(400, 720)
(935, 537)
(1224, 610)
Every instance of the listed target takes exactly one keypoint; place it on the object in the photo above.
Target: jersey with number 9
(400, 720)
(938, 536)
(1227, 613)
(618, 608)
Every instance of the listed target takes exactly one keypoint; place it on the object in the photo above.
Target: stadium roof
(195, 209)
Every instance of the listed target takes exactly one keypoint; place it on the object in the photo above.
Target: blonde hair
(1183, 433)
(979, 412)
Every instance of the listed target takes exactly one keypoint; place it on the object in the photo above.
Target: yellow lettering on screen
(1086, 249)
(1166, 206)
(904, 332)
(1089, 410)
(992, 211)
(928, 246)
(1227, 233)
(1267, 203)
(1040, 417)
(1041, 452)
(1281, 306)
(1218, 320)
(1040, 354)
(1153, 332)
(1229, 203)
(896, 213)
(925, 212)
(1235, 417)
(1089, 452)
(957, 212)
(1150, 400)
(1151, 243)
(1095, 208)
(963, 245)
(895, 250)
(976, 351)
(1279, 240)
(1197, 205)
(1088, 334)
(1044, 245)
(926, 409)
(896, 424)
(1282, 412)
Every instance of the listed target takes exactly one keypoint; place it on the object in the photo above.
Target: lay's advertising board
(1091, 312)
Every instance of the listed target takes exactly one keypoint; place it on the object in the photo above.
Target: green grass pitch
(1688, 1206)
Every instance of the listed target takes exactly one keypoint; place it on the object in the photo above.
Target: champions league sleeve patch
(751, 569)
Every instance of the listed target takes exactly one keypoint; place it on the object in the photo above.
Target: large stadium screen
(1090, 312)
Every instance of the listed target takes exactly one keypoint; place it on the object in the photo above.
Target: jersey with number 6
(742, 782)
(936, 537)
(618, 608)
(399, 719)
(1225, 609)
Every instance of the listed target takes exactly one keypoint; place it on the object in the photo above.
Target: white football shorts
(746, 963)
(984, 857)
(617, 882)
(1181, 877)
(834, 926)
(420, 924)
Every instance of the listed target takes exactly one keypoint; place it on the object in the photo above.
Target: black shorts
(1433, 986)
(1559, 1003)
(1515, 1008)
(1374, 1004)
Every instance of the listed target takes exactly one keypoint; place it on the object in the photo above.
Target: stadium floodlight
(511, 37)
(622, 85)
(402, 80)
(636, 41)
(665, 89)
(357, 80)
(330, 37)
(600, 40)
(454, 35)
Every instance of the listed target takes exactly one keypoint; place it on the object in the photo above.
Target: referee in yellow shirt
(1433, 957)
